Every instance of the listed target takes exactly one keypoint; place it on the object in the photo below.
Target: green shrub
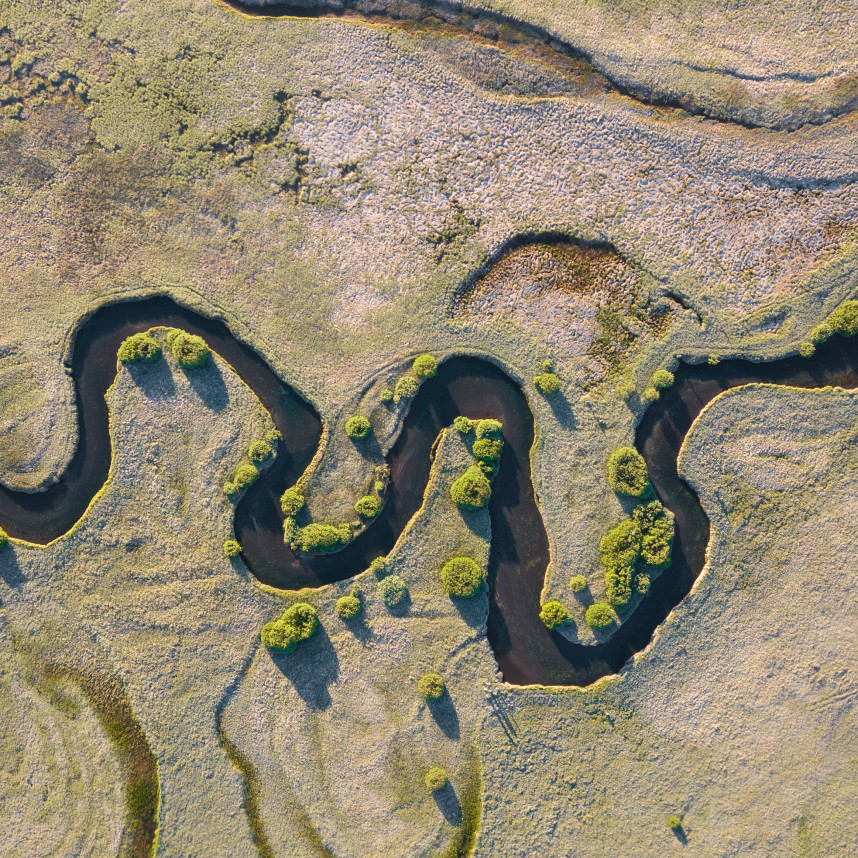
(806, 349)
(577, 583)
(405, 388)
(291, 501)
(431, 686)
(462, 577)
(487, 449)
(713, 360)
(435, 779)
(392, 590)
(272, 436)
(657, 531)
(258, 451)
(232, 548)
(627, 472)
(642, 583)
(4, 538)
(547, 383)
(139, 347)
(651, 394)
(821, 333)
(378, 566)
(322, 537)
(425, 366)
(189, 350)
(661, 379)
(844, 320)
(230, 488)
(298, 623)
(621, 545)
(674, 822)
(368, 506)
(489, 429)
(599, 616)
(386, 395)
(463, 425)
(553, 614)
(358, 427)
(618, 585)
(245, 474)
(472, 490)
(348, 607)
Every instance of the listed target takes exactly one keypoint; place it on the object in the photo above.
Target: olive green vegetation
(463, 425)
(349, 606)
(661, 379)
(844, 320)
(386, 395)
(189, 350)
(368, 506)
(4, 538)
(358, 427)
(259, 451)
(651, 394)
(435, 779)
(547, 383)
(674, 822)
(489, 428)
(405, 388)
(298, 623)
(377, 566)
(599, 616)
(627, 472)
(392, 590)
(291, 501)
(472, 490)
(657, 531)
(488, 449)
(321, 538)
(554, 614)
(232, 548)
(425, 366)
(462, 577)
(245, 475)
(139, 347)
(431, 686)
(806, 349)
(577, 583)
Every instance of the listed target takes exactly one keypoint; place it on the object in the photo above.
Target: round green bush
(189, 350)
(472, 490)
(291, 501)
(599, 616)
(258, 451)
(806, 349)
(358, 427)
(489, 429)
(322, 537)
(139, 347)
(378, 565)
(431, 686)
(462, 577)
(547, 383)
(463, 425)
(488, 449)
(661, 379)
(651, 394)
(642, 583)
(425, 366)
(4, 537)
(348, 607)
(436, 778)
(298, 623)
(405, 388)
(577, 583)
(627, 472)
(229, 488)
(232, 548)
(368, 506)
(821, 333)
(844, 320)
(674, 822)
(553, 614)
(392, 590)
(386, 395)
(245, 474)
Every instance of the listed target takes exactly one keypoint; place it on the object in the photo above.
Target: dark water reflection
(526, 652)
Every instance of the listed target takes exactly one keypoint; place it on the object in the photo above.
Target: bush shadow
(400, 609)
(154, 380)
(207, 381)
(311, 668)
(473, 611)
(448, 803)
(359, 628)
(445, 715)
(680, 835)
(10, 570)
(562, 410)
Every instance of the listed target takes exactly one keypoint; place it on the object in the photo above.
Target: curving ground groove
(509, 32)
(525, 651)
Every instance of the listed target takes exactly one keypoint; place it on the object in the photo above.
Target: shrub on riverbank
(189, 350)
(358, 427)
(618, 585)
(322, 537)
(405, 388)
(844, 320)
(621, 545)
(627, 472)
(599, 616)
(431, 686)
(425, 366)
(554, 614)
(392, 590)
(547, 383)
(368, 506)
(657, 531)
(577, 583)
(232, 548)
(462, 577)
(259, 451)
(349, 606)
(139, 347)
(472, 490)
(661, 379)
(463, 425)
(245, 475)
(488, 449)
(298, 623)
(386, 395)
(435, 779)
(291, 501)
(4, 538)
(492, 429)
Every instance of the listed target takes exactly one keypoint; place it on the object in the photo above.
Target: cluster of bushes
(554, 614)
(4, 537)
(321, 538)
(298, 623)
(431, 686)
(547, 382)
(291, 501)
(139, 347)
(462, 577)
(247, 473)
(473, 490)
(189, 350)
(424, 366)
(627, 473)
(647, 536)
(661, 379)
(843, 321)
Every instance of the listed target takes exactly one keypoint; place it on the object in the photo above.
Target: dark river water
(526, 651)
